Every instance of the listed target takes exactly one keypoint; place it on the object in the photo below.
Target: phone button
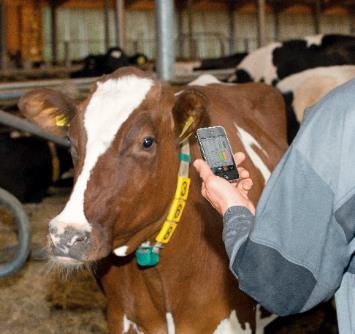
(226, 177)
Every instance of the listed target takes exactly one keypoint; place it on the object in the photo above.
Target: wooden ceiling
(292, 6)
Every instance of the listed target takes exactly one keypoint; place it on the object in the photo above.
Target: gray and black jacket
(295, 252)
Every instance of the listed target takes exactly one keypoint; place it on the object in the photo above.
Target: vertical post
(231, 27)
(276, 24)
(192, 50)
(261, 23)
(3, 36)
(67, 61)
(317, 16)
(180, 35)
(120, 23)
(165, 37)
(106, 25)
(53, 8)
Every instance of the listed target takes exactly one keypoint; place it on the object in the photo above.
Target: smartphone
(216, 150)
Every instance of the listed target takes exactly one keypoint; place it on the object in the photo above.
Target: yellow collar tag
(176, 210)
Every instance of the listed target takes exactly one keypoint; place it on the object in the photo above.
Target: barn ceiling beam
(57, 3)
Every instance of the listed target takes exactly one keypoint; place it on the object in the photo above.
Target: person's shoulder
(341, 99)
(338, 104)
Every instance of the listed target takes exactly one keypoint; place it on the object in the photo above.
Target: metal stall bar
(165, 39)
(261, 23)
(28, 85)
(24, 125)
(3, 35)
(120, 23)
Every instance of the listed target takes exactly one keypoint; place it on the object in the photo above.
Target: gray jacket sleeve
(292, 256)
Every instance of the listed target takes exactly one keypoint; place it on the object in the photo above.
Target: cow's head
(124, 144)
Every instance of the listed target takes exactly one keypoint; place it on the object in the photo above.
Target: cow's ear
(190, 112)
(49, 109)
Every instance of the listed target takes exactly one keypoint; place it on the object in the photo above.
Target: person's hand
(222, 194)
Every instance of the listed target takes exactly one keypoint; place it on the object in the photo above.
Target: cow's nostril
(79, 240)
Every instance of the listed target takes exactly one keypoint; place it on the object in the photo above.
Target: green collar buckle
(147, 255)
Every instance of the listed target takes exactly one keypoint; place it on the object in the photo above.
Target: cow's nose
(70, 242)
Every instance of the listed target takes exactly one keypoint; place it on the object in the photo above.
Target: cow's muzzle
(70, 243)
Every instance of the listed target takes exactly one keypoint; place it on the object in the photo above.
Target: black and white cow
(221, 62)
(276, 61)
(29, 165)
(301, 90)
(114, 58)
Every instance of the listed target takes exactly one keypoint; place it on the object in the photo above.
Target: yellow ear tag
(141, 60)
(61, 120)
(188, 123)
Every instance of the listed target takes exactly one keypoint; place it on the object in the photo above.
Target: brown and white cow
(125, 148)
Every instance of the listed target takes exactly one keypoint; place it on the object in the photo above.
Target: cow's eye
(148, 142)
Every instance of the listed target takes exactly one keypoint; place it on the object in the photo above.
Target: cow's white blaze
(110, 106)
(313, 40)
(121, 251)
(232, 325)
(249, 141)
(170, 323)
(128, 325)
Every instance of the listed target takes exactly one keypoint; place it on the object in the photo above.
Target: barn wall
(85, 30)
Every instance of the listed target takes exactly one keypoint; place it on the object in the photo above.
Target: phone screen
(216, 151)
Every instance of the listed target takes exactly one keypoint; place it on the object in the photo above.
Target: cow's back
(254, 118)
(248, 103)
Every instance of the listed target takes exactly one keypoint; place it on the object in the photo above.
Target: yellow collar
(147, 255)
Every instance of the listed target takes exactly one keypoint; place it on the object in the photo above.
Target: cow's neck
(148, 254)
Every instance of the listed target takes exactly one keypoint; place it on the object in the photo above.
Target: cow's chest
(143, 302)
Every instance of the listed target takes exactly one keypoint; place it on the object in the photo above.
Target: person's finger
(239, 157)
(246, 184)
(203, 190)
(243, 173)
(202, 168)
